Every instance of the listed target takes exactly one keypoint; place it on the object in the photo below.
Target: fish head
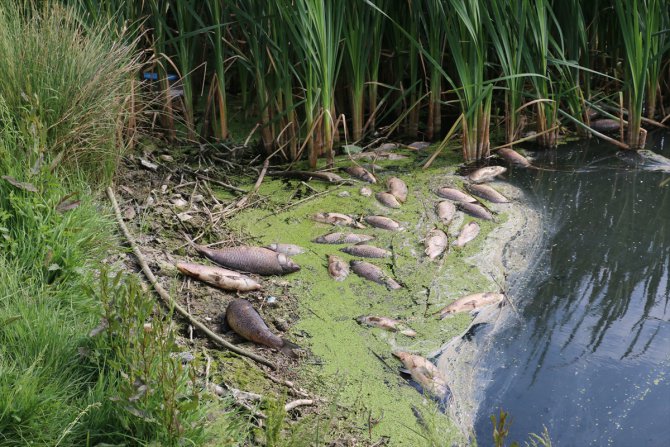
(402, 355)
(287, 264)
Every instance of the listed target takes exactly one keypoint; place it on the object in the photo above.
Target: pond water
(588, 354)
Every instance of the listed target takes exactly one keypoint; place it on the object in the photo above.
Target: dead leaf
(21, 185)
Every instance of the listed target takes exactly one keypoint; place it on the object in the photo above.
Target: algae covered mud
(588, 353)
(353, 363)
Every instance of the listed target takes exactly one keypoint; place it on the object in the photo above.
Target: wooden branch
(166, 297)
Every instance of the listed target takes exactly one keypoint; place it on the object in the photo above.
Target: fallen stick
(297, 403)
(166, 297)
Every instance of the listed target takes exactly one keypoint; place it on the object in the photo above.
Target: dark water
(589, 356)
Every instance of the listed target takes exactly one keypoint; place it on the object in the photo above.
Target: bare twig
(297, 403)
(166, 297)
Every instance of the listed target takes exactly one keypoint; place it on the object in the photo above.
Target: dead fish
(219, 277)
(486, 174)
(488, 193)
(20, 185)
(476, 210)
(386, 323)
(605, 125)
(338, 269)
(384, 223)
(287, 249)
(343, 238)
(436, 242)
(365, 191)
(446, 211)
(329, 177)
(472, 302)
(418, 145)
(513, 157)
(337, 219)
(259, 260)
(386, 147)
(424, 373)
(373, 273)
(455, 194)
(366, 251)
(387, 199)
(246, 322)
(398, 188)
(360, 173)
(380, 155)
(467, 234)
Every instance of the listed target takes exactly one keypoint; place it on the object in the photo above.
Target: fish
(605, 125)
(454, 194)
(338, 269)
(418, 145)
(486, 174)
(381, 155)
(513, 157)
(329, 177)
(365, 191)
(246, 322)
(472, 302)
(424, 373)
(259, 260)
(384, 223)
(398, 188)
(343, 238)
(373, 273)
(219, 277)
(445, 211)
(366, 251)
(476, 210)
(436, 242)
(361, 173)
(467, 234)
(386, 323)
(337, 219)
(488, 193)
(387, 199)
(287, 249)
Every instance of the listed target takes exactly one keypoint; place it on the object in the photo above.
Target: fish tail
(290, 349)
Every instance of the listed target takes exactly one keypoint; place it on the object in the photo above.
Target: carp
(338, 219)
(467, 234)
(343, 238)
(387, 199)
(361, 173)
(476, 210)
(472, 302)
(219, 277)
(513, 157)
(418, 145)
(488, 193)
(338, 269)
(436, 242)
(445, 211)
(486, 174)
(246, 322)
(455, 194)
(386, 323)
(605, 125)
(373, 273)
(424, 373)
(366, 251)
(384, 223)
(398, 188)
(287, 249)
(259, 260)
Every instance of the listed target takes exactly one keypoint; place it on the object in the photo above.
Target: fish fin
(290, 349)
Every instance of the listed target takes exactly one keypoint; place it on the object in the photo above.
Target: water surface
(589, 354)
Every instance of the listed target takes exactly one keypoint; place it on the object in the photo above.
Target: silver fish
(287, 249)
(486, 174)
(373, 273)
(455, 194)
(257, 260)
(343, 238)
(488, 193)
(467, 234)
(387, 199)
(436, 242)
(513, 157)
(476, 210)
(386, 323)
(219, 277)
(384, 223)
(366, 251)
(446, 211)
(424, 373)
(361, 173)
(398, 188)
(337, 268)
(418, 145)
(338, 219)
(472, 302)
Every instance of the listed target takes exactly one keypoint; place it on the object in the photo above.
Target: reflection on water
(590, 356)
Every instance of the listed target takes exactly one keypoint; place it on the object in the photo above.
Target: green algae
(359, 359)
